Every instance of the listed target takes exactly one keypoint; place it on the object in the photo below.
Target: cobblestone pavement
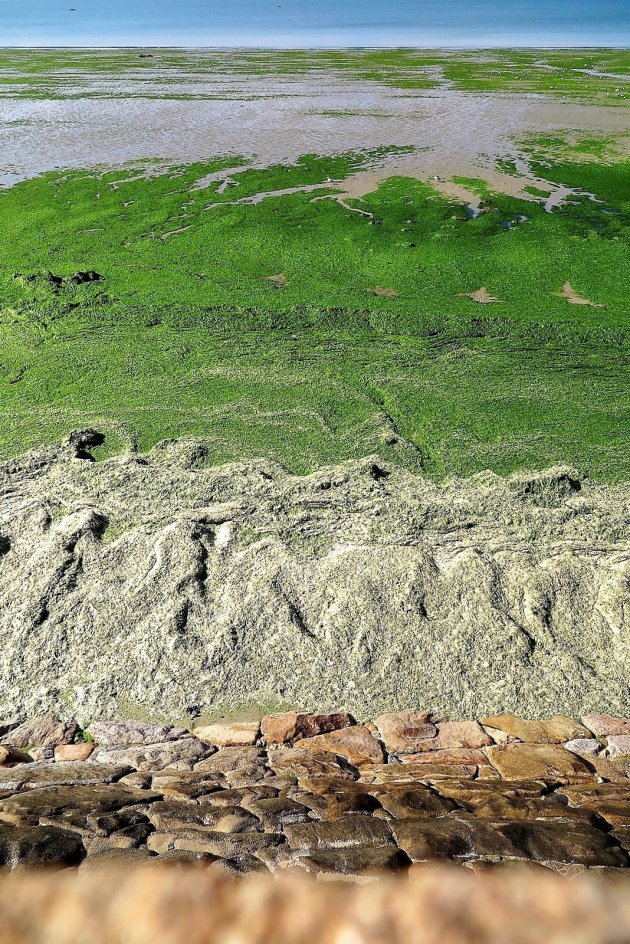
(318, 793)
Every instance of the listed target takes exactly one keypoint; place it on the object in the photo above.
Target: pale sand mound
(279, 280)
(382, 292)
(156, 585)
(482, 296)
(572, 296)
(161, 905)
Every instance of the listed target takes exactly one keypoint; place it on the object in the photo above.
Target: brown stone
(554, 842)
(498, 807)
(357, 744)
(450, 837)
(499, 737)
(183, 754)
(415, 773)
(28, 807)
(355, 860)
(129, 733)
(73, 752)
(615, 812)
(417, 802)
(231, 758)
(536, 762)
(276, 814)
(8, 724)
(452, 735)
(456, 756)
(472, 793)
(130, 837)
(607, 725)
(225, 845)
(619, 745)
(301, 763)
(621, 763)
(26, 846)
(325, 786)
(229, 733)
(53, 773)
(487, 772)
(107, 858)
(402, 731)
(337, 805)
(342, 833)
(5, 754)
(247, 776)
(622, 835)
(590, 794)
(185, 857)
(554, 731)
(289, 726)
(237, 867)
(137, 780)
(170, 816)
(608, 769)
(104, 824)
(186, 790)
(240, 795)
(41, 732)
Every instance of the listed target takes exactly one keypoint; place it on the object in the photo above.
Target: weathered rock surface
(536, 762)
(287, 727)
(353, 810)
(619, 745)
(41, 732)
(181, 754)
(73, 752)
(452, 837)
(404, 732)
(126, 733)
(229, 734)
(606, 725)
(555, 731)
(356, 744)
(146, 585)
(58, 774)
(25, 846)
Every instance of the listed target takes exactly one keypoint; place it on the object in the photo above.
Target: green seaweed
(188, 334)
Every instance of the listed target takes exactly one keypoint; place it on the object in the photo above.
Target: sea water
(315, 23)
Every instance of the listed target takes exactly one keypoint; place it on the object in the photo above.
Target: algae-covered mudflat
(313, 256)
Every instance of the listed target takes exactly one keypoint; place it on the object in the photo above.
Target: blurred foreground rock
(509, 905)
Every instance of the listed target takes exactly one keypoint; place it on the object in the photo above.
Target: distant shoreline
(332, 48)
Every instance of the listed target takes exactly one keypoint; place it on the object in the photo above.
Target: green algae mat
(288, 325)
(594, 75)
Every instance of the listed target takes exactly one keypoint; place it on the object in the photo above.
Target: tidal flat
(317, 256)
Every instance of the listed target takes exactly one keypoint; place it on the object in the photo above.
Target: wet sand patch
(573, 298)
(282, 117)
(482, 296)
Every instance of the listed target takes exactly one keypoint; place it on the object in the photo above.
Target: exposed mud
(154, 586)
(276, 119)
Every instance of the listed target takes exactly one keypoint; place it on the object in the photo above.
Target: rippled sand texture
(274, 119)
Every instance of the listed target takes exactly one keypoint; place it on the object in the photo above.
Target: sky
(314, 23)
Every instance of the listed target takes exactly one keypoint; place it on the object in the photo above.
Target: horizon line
(321, 48)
